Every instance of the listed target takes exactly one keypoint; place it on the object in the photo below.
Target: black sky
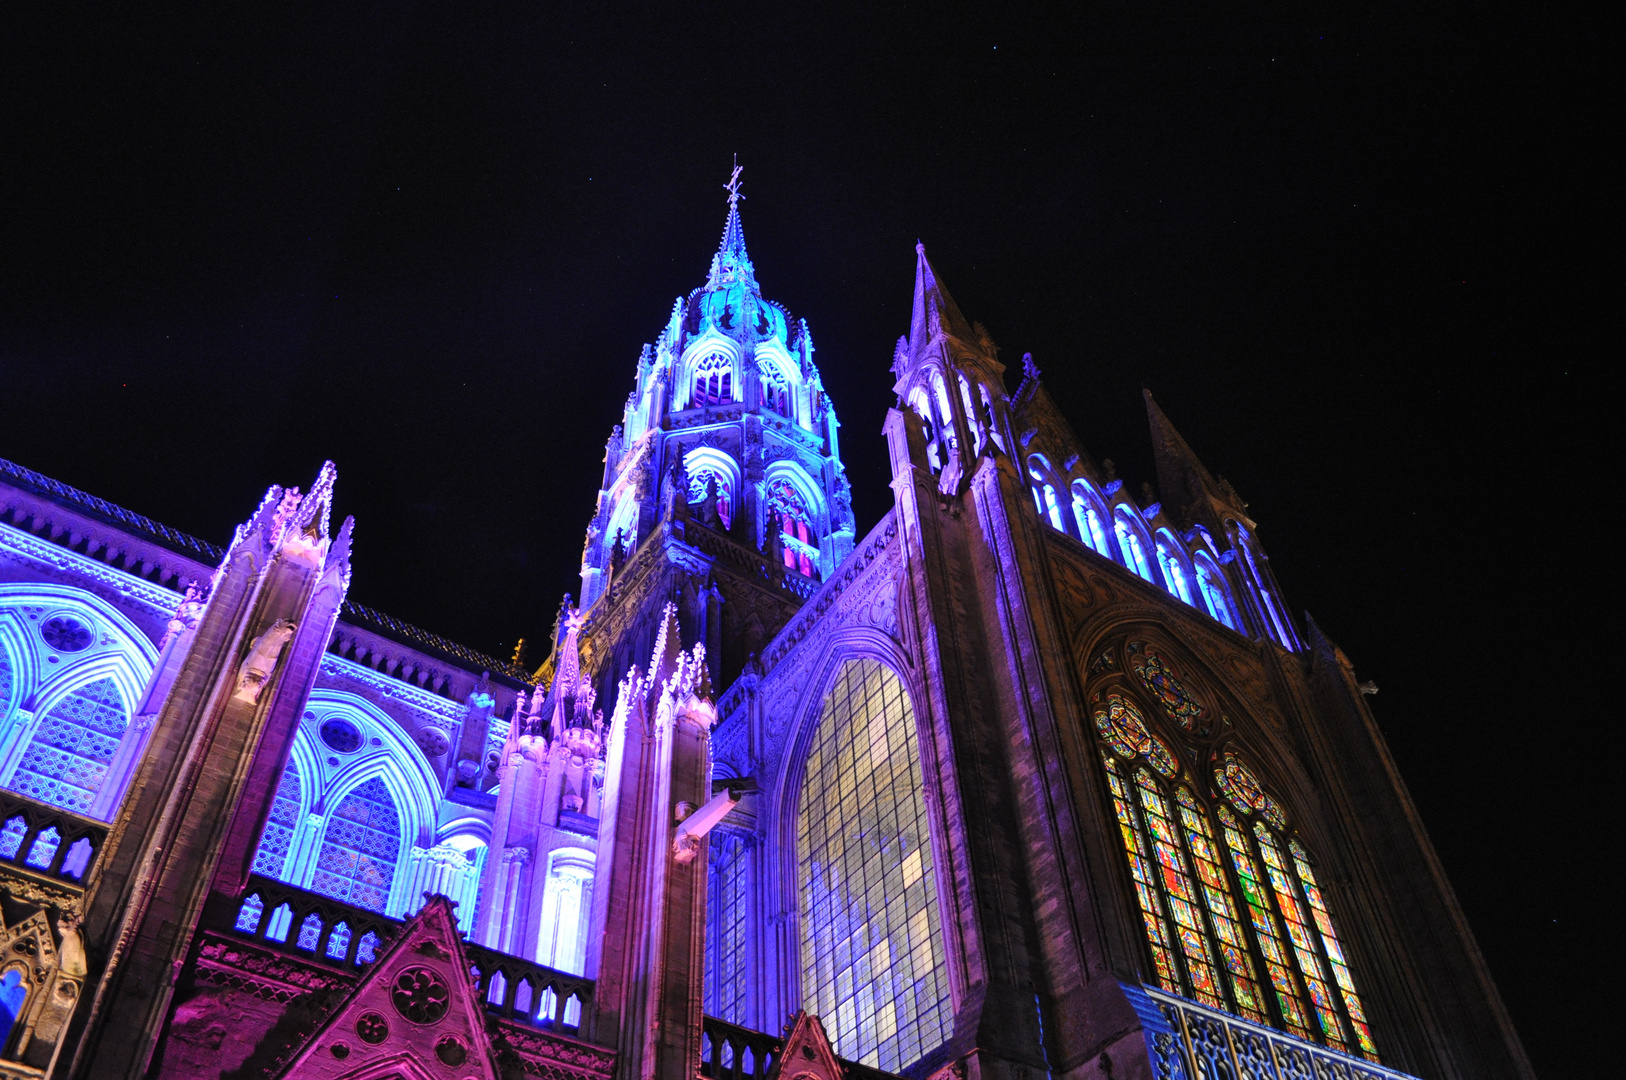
(1364, 256)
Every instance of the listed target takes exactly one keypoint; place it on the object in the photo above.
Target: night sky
(1353, 251)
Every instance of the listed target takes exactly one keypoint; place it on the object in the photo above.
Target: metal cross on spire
(733, 185)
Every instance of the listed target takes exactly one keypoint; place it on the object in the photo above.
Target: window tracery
(360, 848)
(67, 758)
(713, 378)
(1129, 543)
(271, 858)
(1223, 887)
(799, 540)
(1087, 513)
(872, 955)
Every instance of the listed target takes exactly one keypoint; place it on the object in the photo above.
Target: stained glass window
(873, 963)
(1122, 725)
(1158, 934)
(360, 848)
(1298, 931)
(1177, 888)
(726, 957)
(1239, 784)
(67, 758)
(272, 856)
(1265, 927)
(1216, 890)
(1335, 950)
(1171, 693)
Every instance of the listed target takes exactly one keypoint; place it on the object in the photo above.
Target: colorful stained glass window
(873, 963)
(1216, 890)
(1298, 931)
(1122, 725)
(67, 758)
(796, 527)
(360, 848)
(1141, 868)
(1178, 890)
(1266, 930)
(1239, 784)
(272, 855)
(1171, 693)
(1335, 950)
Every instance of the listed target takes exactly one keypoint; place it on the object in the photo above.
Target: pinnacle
(934, 310)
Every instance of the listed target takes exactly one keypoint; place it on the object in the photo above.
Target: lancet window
(726, 944)
(713, 379)
(698, 486)
(1087, 513)
(67, 758)
(1229, 900)
(796, 531)
(1216, 595)
(566, 900)
(361, 848)
(1044, 492)
(775, 393)
(271, 858)
(872, 957)
(1174, 571)
(1129, 543)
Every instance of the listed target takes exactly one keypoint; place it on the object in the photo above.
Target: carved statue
(261, 660)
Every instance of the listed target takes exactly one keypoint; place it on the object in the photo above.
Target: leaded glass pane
(272, 856)
(1298, 931)
(1335, 951)
(873, 963)
(726, 956)
(67, 758)
(360, 848)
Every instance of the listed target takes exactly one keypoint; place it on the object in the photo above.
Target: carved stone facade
(1039, 777)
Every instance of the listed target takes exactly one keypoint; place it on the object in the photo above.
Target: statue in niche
(261, 660)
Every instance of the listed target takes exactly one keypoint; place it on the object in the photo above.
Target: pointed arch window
(271, 858)
(799, 540)
(361, 848)
(775, 391)
(1174, 572)
(727, 963)
(710, 474)
(1044, 492)
(1211, 582)
(713, 378)
(872, 953)
(67, 758)
(1087, 513)
(1129, 543)
(1222, 890)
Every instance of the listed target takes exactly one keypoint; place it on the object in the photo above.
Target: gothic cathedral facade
(1035, 778)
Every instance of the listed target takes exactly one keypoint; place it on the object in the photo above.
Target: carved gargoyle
(261, 660)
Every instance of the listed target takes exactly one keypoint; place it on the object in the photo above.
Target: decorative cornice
(440, 709)
(53, 557)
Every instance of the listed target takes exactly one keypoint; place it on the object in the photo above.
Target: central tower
(723, 486)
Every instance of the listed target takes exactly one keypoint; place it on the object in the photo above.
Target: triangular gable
(807, 1054)
(415, 1015)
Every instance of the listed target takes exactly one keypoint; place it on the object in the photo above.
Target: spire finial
(733, 185)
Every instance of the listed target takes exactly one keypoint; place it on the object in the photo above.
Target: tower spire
(731, 263)
(935, 310)
(1183, 479)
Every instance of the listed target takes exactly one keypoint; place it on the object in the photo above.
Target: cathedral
(1039, 778)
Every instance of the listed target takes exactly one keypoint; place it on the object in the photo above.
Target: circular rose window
(420, 995)
(66, 635)
(341, 735)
